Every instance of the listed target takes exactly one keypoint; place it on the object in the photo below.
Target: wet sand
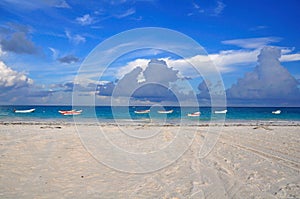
(49, 160)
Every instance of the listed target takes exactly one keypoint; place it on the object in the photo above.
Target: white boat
(70, 112)
(221, 112)
(195, 114)
(277, 112)
(166, 112)
(142, 111)
(25, 111)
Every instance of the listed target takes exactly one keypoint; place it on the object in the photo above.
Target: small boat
(195, 114)
(142, 111)
(70, 112)
(25, 111)
(277, 112)
(221, 112)
(66, 111)
(165, 112)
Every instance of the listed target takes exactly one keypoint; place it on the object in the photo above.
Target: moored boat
(195, 114)
(221, 112)
(70, 112)
(25, 111)
(276, 112)
(142, 111)
(166, 111)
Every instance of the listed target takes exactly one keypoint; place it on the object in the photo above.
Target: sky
(253, 49)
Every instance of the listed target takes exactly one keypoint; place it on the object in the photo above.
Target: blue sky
(43, 44)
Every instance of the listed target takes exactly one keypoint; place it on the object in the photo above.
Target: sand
(53, 160)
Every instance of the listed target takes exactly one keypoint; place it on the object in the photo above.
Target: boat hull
(165, 112)
(25, 111)
(142, 112)
(221, 112)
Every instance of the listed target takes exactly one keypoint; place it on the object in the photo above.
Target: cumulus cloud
(154, 83)
(224, 62)
(85, 20)
(68, 59)
(158, 71)
(15, 38)
(225, 59)
(17, 88)
(130, 66)
(10, 79)
(18, 43)
(269, 82)
(128, 83)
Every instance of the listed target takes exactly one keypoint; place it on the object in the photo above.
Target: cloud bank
(156, 82)
(269, 83)
(10, 79)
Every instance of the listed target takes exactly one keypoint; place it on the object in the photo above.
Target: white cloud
(161, 83)
(130, 66)
(62, 4)
(223, 62)
(76, 39)
(211, 11)
(12, 79)
(126, 13)
(219, 8)
(252, 43)
(198, 8)
(225, 59)
(203, 63)
(85, 20)
(291, 57)
(269, 81)
(54, 53)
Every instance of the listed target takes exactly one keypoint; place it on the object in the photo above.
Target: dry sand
(49, 161)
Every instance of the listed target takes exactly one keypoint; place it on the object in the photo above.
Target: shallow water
(179, 115)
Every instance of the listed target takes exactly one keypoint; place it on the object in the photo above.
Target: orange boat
(196, 114)
(70, 112)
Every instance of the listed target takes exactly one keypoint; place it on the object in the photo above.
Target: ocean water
(111, 114)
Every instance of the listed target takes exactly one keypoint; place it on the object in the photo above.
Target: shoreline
(226, 123)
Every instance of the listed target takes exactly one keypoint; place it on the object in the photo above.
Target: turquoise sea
(108, 114)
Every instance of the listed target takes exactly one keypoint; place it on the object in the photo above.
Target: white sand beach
(48, 160)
